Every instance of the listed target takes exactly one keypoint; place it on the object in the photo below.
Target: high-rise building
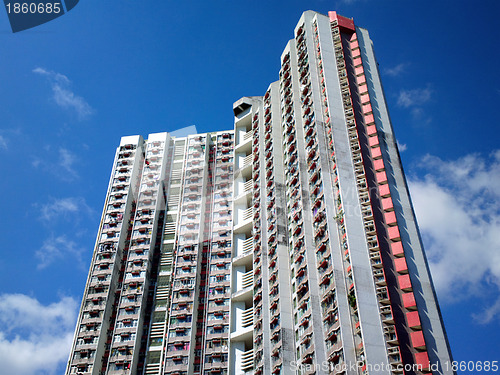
(287, 245)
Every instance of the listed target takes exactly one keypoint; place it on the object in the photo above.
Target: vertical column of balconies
(150, 329)
(271, 227)
(330, 316)
(294, 205)
(125, 357)
(216, 329)
(331, 320)
(255, 244)
(95, 324)
(395, 260)
(203, 264)
(184, 303)
(158, 325)
(267, 346)
(274, 346)
(244, 301)
(203, 267)
(305, 348)
(258, 247)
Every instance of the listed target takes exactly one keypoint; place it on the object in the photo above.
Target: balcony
(390, 335)
(246, 161)
(375, 258)
(247, 187)
(383, 295)
(244, 248)
(244, 137)
(243, 144)
(122, 171)
(247, 280)
(243, 222)
(394, 355)
(87, 357)
(243, 285)
(247, 318)
(246, 214)
(379, 277)
(386, 313)
(242, 321)
(247, 360)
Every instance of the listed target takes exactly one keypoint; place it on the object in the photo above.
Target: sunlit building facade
(287, 245)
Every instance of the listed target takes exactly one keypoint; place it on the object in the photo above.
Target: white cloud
(475, 172)
(66, 160)
(59, 247)
(62, 207)
(62, 213)
(458, 210)
(62, 167)
(6, 136)
(67, 99)
(397, 70)
(488, 314)
(36, 162)
(402, 146)
(35, 338)
(3, 142)
(414, 98)
(63, 96)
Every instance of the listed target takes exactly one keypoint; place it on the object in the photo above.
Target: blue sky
(70, 88)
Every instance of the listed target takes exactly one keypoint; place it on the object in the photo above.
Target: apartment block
(287, 245)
